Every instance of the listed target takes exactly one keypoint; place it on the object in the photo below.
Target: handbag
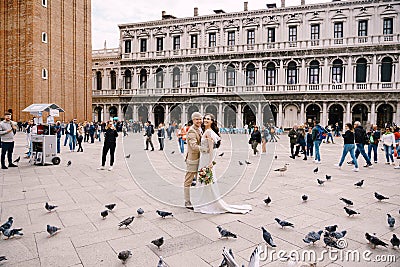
(250, 141)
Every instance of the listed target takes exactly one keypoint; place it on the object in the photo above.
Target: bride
(210, 201)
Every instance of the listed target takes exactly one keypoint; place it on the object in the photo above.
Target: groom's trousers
(188, 182)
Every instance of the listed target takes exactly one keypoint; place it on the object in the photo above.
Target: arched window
(159, 78)
(292, 73)
(176, 78)
(271, 74)
(230, 75)
(44, 37)
(194, 77)
(99, 81)
(361, 70)
(44, 74)
(113, 77)
(128, 79)
(386, 69)
(337, 71)
(313, 74)
(250, 74)
(143, 78)
(212, 76)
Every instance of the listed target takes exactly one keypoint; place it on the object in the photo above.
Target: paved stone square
(152, 180)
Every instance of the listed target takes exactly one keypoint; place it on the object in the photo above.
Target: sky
(107, 14)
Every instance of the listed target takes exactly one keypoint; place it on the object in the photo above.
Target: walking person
(161, 136)
(309, 143)
(149, 131)
(86, 127)
(388, 140)
(181, 134)
(301, 142)
(58, 130)
(374, 137)
(79, 137)
(361, 139)
(265, 136)
(255, 139)
(8, 128)
(72, 129)
(292, 139)
(318, 134)
(329, 134)
(91, 132)
(110, 143)
(348, 146)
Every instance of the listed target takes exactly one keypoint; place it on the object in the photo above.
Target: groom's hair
(196, 115)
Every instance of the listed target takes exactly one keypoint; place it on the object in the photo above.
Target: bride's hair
(214, 127)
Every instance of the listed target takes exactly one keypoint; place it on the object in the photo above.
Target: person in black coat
(255, 139)
(110, 143)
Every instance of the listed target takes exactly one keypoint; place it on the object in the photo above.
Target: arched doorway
(128, 111)
(384, 115)
(335, 114)
(98, 112)
(212, 110)
(313, 112)
(249, 115)
(175, 114)
(113, 112)
(290, 119)
(269, 115)
(230, 116)
(191, 110)
(360, 113)
(143, 114)
(159, 115)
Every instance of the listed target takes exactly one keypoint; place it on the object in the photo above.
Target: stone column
(120, 113)
(104, 80)
(397, 114)
(280, 115)
(281, 76)
(372, 119)
(134, 113)
(324, 114)
(220, 118)
(372, 73)
(202, 108)
(348, 114)
(150, 113)
(220, 76)
(349, 77)
(239, 117)
(166, 116)
(259, 115)
(184, 115)
(302, 113)
(325, 75)
(259, 78)
(106, 114)
(302, 79)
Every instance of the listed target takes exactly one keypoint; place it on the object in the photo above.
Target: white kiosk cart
(44, 144)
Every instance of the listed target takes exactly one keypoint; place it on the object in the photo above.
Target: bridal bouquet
(206, 175)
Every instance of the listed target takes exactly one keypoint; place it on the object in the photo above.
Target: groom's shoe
(189, 205)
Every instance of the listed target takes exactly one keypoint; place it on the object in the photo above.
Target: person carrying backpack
(318, 134)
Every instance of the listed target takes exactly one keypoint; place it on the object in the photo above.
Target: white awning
(36, 108)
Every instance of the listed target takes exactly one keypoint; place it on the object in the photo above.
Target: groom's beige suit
(193, 139)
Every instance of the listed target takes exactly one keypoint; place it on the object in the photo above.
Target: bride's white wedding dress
(209, 200)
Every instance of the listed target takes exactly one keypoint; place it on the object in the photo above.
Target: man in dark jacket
(374, 137)
(149, 131)
(293, 138)
(255, 139)
(361, 139)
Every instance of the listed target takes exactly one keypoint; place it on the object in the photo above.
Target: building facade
(46, 56)
(334, 62)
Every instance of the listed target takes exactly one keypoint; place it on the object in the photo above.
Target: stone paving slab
(86, 239)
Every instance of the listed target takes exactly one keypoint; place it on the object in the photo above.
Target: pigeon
(224, 262)
(173, 152)
(255, 257)
(140, 211)
(276, 157)
(320, 182)
(315, 170)
(360, 183)
(3, 258)
(17, 160)
(380, 197)
(347, 201)
(126, 222)
(328, 177)
(69, 163)
(128, 156)
(52, 229)
(161, 263)
(193, 183)
(350, 212)
(225, 233)
(110, 207)
(330, 241)
(7, 224)
(49, 207)
(375, 241)
(391, 220)
(282, 170)
(11, 232)
(124, 255)
(104, 214)
(222, 154)
(164, 214)
(304, 197)
(267, 201)
(268, 238)
(247, 162)
(158, 242)
(395, 241)
(284, 223)
(313, 237)
(331, 228)
(338, 235)
(240, 163)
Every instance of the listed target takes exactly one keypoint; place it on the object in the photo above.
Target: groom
(193, 139)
